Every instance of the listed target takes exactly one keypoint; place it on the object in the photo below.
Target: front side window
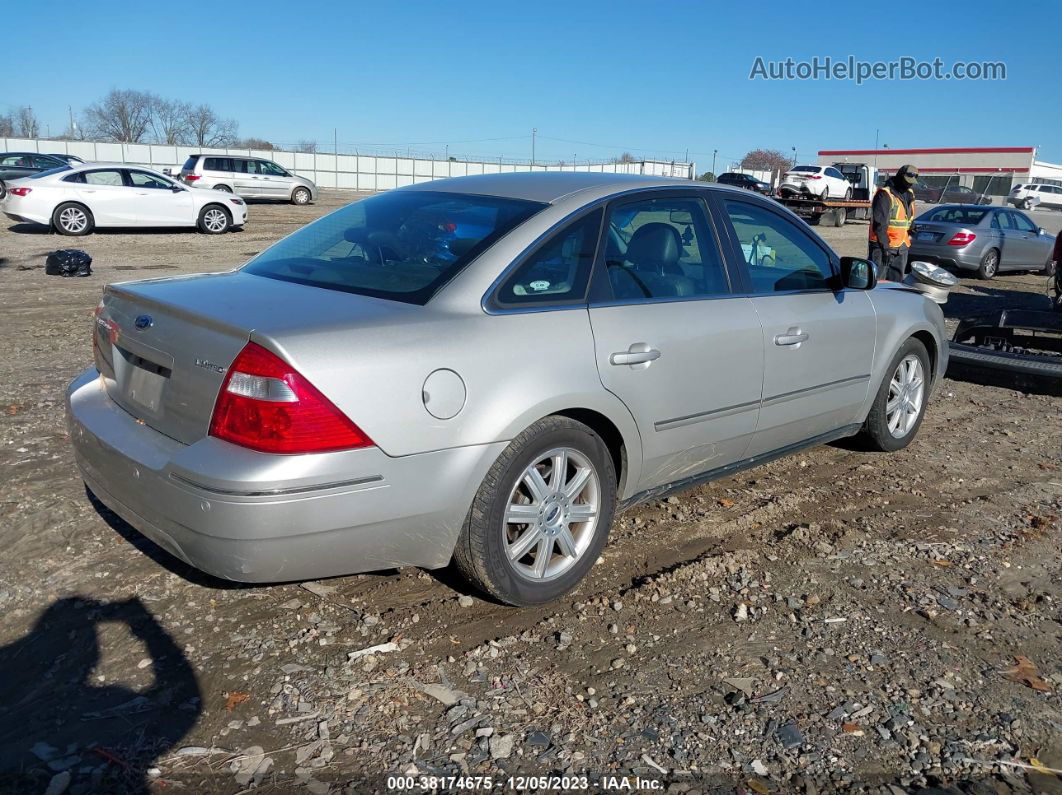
(141, 179)
(662, 248)
(104, 177)
(1022, 223)
(559, 270)
(245, 166)
(271, 168)
(402, 245)
(780, 256)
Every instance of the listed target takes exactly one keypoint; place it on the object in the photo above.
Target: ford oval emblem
(143, 321)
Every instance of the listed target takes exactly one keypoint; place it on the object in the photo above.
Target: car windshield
(49, 172)
(400, 245)
(955, 215)
(810, 169)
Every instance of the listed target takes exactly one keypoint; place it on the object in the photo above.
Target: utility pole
(876, 147)
(534, 132)
(714, 153)
(794, 155)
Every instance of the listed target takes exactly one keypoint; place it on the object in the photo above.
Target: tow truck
(836, 211)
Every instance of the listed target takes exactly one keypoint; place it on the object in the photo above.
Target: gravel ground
(835, 621)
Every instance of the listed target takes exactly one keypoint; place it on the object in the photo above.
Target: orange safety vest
(899, 230)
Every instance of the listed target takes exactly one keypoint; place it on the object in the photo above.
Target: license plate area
(140, 380)
(926, 237)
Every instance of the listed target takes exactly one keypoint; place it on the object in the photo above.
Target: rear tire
(300, 196)
(890, 429)
(71, 218)
(989, 266)
(214, 220)
(1026, 204)
(223, 188)
(533, 562)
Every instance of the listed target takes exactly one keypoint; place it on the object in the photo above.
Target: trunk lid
(165, 345)
(930, 232)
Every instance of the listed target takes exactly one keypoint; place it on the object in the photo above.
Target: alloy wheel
(73, 220)
(552, 514)
(906, 396)
(215, 220)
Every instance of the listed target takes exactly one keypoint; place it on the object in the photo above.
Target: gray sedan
(484, 370)
(987, 240)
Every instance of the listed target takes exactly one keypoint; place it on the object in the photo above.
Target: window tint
(141, 179)
(559, 270)
(780, 255)
(401, 245)
(218, 164)
(1021, 222)
(1001, 220)
(23, 161)
(41, 161)
(49, 172)
(103, 178)
(189, 164)
(833, 172)
(270, 168)
(662, 248)
(245, 166)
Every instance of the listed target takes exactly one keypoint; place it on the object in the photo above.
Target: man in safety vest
(890, 224)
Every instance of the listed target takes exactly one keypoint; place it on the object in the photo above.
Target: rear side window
(401, 245)
(108, 177)
(779, 255)
(559, 271)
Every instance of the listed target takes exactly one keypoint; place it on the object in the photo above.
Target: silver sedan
(987, 240)
(484, 370)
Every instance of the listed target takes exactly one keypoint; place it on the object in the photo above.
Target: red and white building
(989, 170)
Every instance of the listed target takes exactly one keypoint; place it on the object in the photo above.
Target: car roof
(550, 187)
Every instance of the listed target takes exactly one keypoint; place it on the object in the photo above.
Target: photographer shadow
(58, 718)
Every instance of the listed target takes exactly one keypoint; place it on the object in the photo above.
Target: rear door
(105, 192)
(157, 204)
(818, 342)
(672, 340)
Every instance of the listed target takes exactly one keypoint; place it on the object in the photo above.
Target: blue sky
(649, 78)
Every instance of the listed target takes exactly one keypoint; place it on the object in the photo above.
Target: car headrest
(655, 245)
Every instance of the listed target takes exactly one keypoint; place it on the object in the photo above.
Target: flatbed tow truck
(835, 211)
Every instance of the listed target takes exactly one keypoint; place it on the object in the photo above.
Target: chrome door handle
(638, 353)
(793, 336)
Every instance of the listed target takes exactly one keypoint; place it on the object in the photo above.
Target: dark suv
(746, 181)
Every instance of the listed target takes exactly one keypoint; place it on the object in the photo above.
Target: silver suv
(249, 177)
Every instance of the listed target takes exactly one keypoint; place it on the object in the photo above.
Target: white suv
(1031, 195)
(249, 177)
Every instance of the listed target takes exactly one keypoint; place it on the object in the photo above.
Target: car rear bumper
(967, 258)
(254, 517)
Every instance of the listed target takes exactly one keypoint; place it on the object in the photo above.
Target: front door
(672, 341)
(276, 182)
(1025, 249)
(818, 341)
(157, 204)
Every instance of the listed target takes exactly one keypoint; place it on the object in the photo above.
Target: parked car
(982, 239)
(1029, 195)
(353, 399)
(15, 165)
(822, 181)
(70, 160)
(249, 177)
(76, 200)
(950, 194)
(746, 181)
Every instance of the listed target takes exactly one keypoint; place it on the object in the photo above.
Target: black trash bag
(68, 262)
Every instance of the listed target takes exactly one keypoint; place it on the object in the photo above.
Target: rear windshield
(189, 164)
(955, 215)
(49, 172)
(400, 245)
(811, 169)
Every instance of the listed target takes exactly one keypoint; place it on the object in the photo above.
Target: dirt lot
(835, 621)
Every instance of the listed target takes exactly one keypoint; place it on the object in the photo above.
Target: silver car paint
(255, 517)
(1018, 250)
(248, 186)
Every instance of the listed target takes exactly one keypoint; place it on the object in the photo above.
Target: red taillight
(264, 404)
(815, 176)
(19, 191)
(962, 239)
(191, 177)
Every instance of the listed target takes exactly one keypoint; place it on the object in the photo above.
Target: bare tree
(766, 160)
(253, 143)
(209, 129)
(170, 121)
(123, 115)
(306, 146)
(7, 125)
(26, 124)
(626, 157)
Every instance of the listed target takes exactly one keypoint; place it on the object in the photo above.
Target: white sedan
(74, 201)
(826, 182)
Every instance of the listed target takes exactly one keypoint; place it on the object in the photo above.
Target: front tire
(214, 220)
(899, 407)
(541, 516)
(989, 266)
(300, 196)
(71, 218)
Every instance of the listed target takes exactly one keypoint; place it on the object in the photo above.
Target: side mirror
(176, 188)
(1041, 231)
(858, 274)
